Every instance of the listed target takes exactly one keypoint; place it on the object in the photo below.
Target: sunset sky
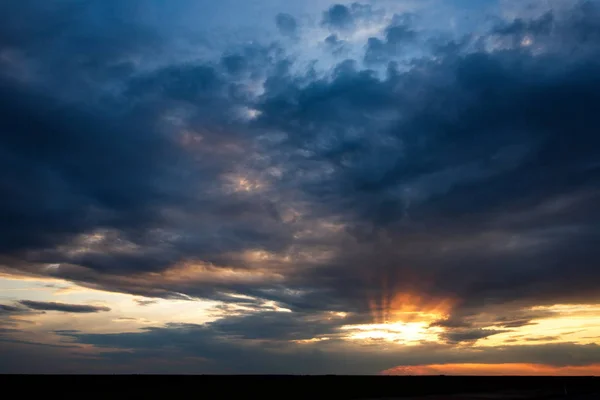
(300, 187)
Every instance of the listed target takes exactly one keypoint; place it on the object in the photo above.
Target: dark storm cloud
(472, 191)
(472, 176)
(63, 182)
(116, 163)
(108, 39)
(63, 307)
(74, 163)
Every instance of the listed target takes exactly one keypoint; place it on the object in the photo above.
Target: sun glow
(521, 369)
(408, 307)
(403, 318)
(396, 332)
(395, 298)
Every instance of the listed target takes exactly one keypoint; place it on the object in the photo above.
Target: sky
(300, 187)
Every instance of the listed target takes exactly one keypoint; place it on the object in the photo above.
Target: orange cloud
(495, 370)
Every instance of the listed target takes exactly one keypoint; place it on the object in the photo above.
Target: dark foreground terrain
(303, 387)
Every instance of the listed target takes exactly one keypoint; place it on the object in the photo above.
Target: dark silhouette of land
(303, 387)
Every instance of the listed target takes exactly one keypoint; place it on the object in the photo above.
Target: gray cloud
(6, 309)
(278, 326)
(8, 314)
(499, 316)
(451, 323)
(469, 335)
(145, 302)
(63, 307)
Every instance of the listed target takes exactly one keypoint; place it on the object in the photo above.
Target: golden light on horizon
(507, 369)
(576, 323)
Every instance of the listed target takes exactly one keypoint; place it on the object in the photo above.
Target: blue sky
(299, 187)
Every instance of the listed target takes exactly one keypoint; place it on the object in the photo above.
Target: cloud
(141, 302)
(71, 202)
(6, 309)
(63, 307)
(9, 316)
(397, 36)
(543, 339)
(338, 17)
(491, 138)
(343, 172)
(498, 317)
(469, 335)
(286, 24)
(284, 326)
(346, 18)
(451, 323)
